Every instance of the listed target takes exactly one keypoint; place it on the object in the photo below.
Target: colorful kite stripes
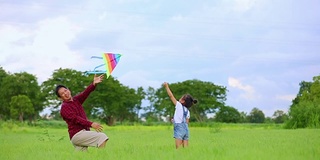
(110, 62)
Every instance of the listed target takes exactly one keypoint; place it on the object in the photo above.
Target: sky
(259, 49)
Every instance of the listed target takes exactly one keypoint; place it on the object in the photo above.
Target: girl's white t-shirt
(178, 113)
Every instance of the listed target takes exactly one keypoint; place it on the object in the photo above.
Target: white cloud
(249, 92)
(39, 50)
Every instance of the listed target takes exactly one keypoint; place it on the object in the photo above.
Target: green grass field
(235, 141)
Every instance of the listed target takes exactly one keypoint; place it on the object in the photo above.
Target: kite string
(98, 66)
(95, 72)
(96, 57)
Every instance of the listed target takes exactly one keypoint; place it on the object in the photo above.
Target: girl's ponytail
(195, 101)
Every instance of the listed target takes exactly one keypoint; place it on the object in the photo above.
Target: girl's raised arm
(166, 86)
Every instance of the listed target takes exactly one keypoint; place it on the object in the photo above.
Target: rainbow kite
(110, 62)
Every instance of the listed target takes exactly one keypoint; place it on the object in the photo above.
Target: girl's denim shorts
(181, 131)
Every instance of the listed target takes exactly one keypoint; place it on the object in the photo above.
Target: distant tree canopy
(4, 111)
(256, 116)
(305, 109)
(19, 84)
(20, 106)
(279, 116)
(110, 102)
(150, 112)
(228, 114)
(21, 97)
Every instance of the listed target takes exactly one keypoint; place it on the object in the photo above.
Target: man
(78, 125)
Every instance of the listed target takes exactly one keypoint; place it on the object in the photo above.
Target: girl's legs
(178, 143)
(185, 143)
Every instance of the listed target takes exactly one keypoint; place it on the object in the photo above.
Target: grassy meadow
(220, 141)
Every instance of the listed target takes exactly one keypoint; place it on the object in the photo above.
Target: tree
(304, 89)
(228, 114)
(243, 117)
(141, 94)
(256, 116)
(305, 109)
(4, 110)
(131, 104)
(209, 96)
(279, 116)
(3, 74)
(112, 101)
(21, 84)
(150, 111)
(21, 105)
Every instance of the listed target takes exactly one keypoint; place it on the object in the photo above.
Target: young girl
(181, 116)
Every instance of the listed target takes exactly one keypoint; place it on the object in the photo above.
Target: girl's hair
(189, 101)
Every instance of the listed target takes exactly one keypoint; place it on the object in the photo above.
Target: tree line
(22, 98)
